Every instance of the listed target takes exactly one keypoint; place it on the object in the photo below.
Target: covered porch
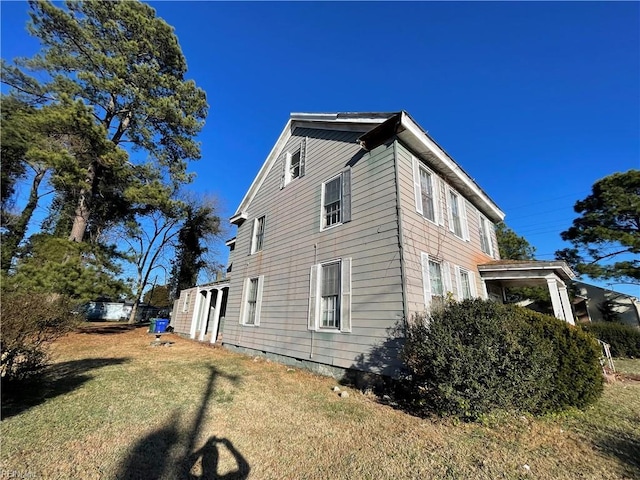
(502, 274)
(208, 312)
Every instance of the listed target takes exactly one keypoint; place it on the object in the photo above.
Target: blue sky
(536, 100)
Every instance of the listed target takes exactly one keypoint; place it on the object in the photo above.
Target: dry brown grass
(115, 407)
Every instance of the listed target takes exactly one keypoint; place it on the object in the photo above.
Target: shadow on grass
(101, 328)
(55, 380)
(624, 447)
(169, 452)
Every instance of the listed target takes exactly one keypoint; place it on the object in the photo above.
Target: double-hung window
(294, 166)
(330, 296)
(458, 216)
(251, 301)
(465, 283)
(486, 245)
(436, 280)
(332, 202)
(257, 238)
(426, 195)
(336, 200)
(426, 188)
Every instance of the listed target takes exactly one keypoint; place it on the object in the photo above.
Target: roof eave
(420, 141)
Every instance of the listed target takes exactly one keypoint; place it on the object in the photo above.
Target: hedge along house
(354, 223)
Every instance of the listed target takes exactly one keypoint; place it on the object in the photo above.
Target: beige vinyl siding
(422, 236)
(293, 243)
(181, 321)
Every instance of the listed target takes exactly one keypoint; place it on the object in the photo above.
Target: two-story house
(354, 223)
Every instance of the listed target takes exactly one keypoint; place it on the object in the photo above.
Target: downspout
(405, 307)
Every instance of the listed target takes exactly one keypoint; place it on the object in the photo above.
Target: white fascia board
(230, 242)
(262, 174)
(336, 118)
(558, 267)
(489, 207)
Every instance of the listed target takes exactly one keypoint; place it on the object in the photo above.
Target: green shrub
(30, 321)
(624, 339)
(476, 356)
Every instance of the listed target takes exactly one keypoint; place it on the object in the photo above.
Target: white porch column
(216, 315)
(194, 315)
(566, 303)
(555, 298)
(204, 318)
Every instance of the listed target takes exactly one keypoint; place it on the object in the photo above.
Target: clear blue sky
(536, 100)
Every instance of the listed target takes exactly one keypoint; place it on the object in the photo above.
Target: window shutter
(314, 283)
(287, 168)
(253, 235)
(439, 201)
(447, 278)
(472, 283)
(449, 207)
(283, 162)
(259, 299)
(417, 190)
(426, 283)
(345, 298)
(463, 216)
(303, 155)
(245, 287)
(495, 252)
(458, 283)
(346, 195)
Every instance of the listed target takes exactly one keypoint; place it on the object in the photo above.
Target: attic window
(294, 168)
(293, 162)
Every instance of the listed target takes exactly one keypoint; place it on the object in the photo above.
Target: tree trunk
(134, 311)
(18, 230)
(83, 209)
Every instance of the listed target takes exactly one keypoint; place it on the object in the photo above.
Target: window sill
(324, 229)
(329, 330)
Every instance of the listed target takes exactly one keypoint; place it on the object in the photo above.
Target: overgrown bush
(476, 356)
(30, 321)
(624, 339)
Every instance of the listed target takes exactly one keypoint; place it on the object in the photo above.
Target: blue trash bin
(160, 325)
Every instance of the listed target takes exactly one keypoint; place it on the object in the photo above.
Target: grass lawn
(117, 408)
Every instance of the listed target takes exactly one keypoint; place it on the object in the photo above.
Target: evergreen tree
(200, 226)
(79, 271)
(606, 235)
(514, 247)
(126, 66)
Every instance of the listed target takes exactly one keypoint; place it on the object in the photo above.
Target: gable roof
(377, 127)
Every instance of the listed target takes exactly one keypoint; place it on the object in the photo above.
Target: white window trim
(254, 234)
(445, 270)
(472, 282)
(462, 207)
(435, 186)
(482, 220)
(245, 294)
(286, 167)
(315, 297)
(187, 301)
(322, 212)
